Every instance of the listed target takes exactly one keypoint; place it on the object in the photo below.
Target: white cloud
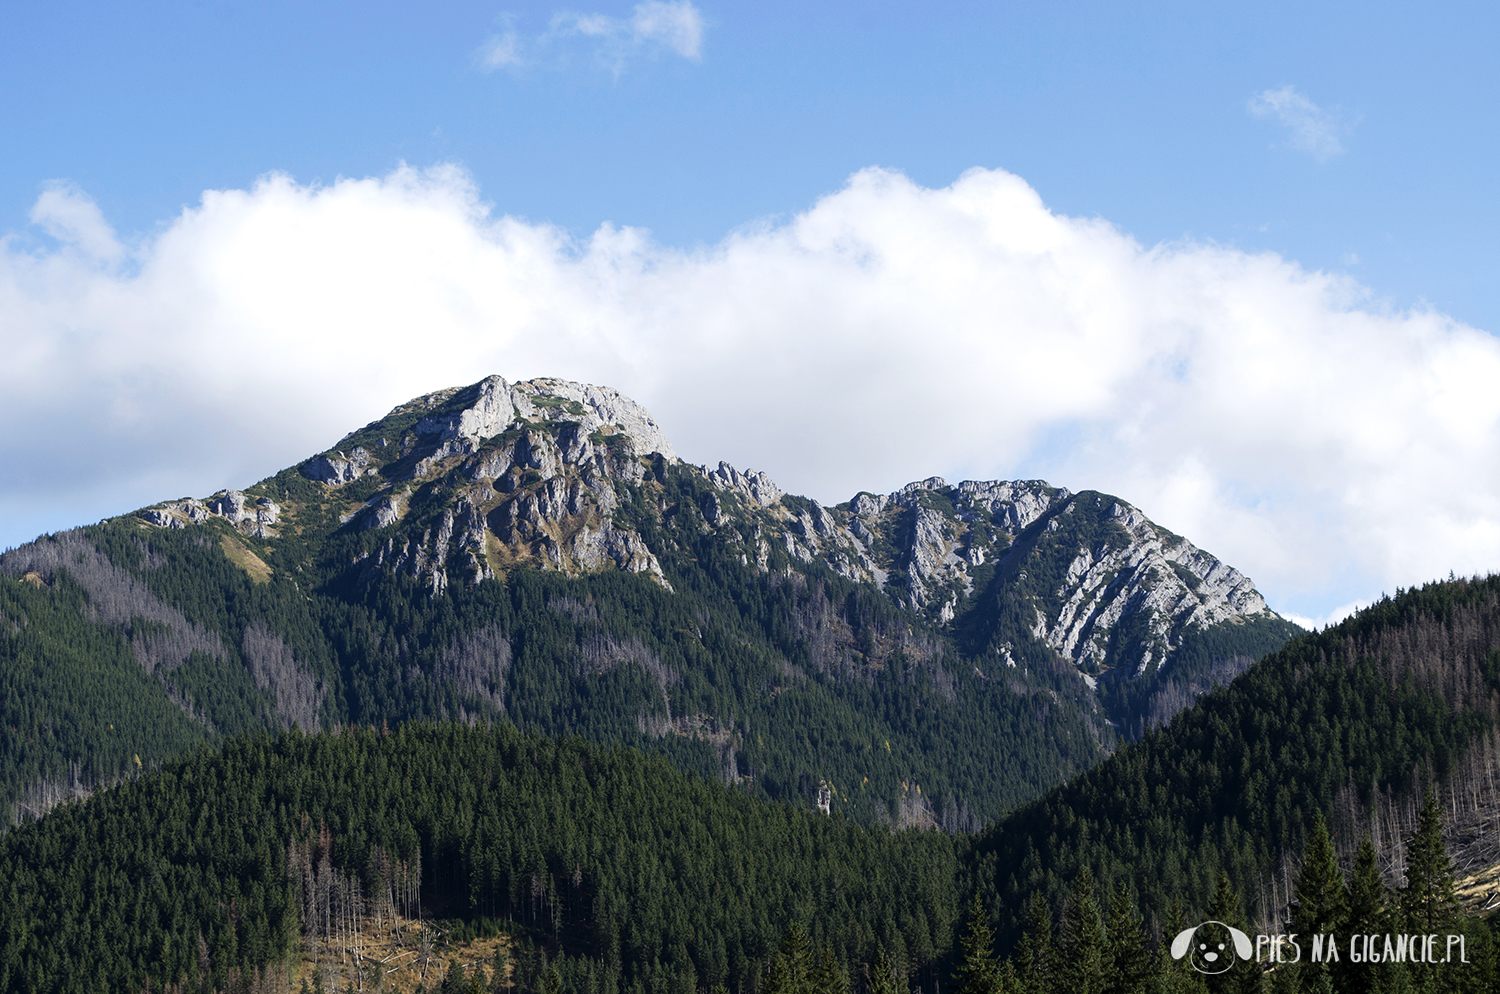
(675, 26)
(1329, 618)
(1329, 446)
(1311, 129)
(71, 216)
(679, 26)
(501, 51)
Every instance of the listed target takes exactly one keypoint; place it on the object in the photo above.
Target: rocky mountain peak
(493, 405)
(472, 481)
(1085, 567)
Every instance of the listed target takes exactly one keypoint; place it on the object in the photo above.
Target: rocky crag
(537, 552)
(469, 482)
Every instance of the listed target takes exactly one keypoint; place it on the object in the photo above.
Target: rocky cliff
(536, 552)
(467, 483)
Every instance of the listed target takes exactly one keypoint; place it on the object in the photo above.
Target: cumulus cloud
(1329, 446)
(71, 216)
(1310, 128)
(674, 26)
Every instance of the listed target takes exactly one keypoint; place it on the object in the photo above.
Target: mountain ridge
(260, 859)
(512, 550)
(924, 540)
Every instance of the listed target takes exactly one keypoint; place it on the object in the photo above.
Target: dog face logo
(1212, 946)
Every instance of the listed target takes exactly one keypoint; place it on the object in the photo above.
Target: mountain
(537, 552)
(613, 872)
(1354, 722)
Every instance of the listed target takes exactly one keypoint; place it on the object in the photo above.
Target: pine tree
(1428, 902)
(977, 972)
(1080, 969)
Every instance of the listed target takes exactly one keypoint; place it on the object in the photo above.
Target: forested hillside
(534, 553)
(1352, 722)
(613, 871)
(648, 878)
(727, 675)
(75, 703)
(627, 874)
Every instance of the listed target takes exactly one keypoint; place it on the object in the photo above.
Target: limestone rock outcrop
(533, 472)
(757, 486)
(497, 404)
(472, 481)
(251, 516)
(932, 547)
(335, 469)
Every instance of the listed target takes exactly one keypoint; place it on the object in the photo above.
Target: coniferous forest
(724, 674)
(534, 712)
(1310, 795)
(720, 639)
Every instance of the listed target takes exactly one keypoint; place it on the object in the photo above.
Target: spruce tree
(1127, 966)
(500, 969)
(456, 981)
(791, 971)
(1428, 902)
(1243, 977)
(1283, 979)
(1322, 902)
(829, 977)
(977, 972)
(1080, 968)
(885, 975)
(1175, 976)
(1034, 954)
(1482, 974)
(1010, 983)
(1367, 898)
(1366, 915)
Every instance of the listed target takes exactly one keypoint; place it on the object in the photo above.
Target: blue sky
(1354, 143)
(1135, 113)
